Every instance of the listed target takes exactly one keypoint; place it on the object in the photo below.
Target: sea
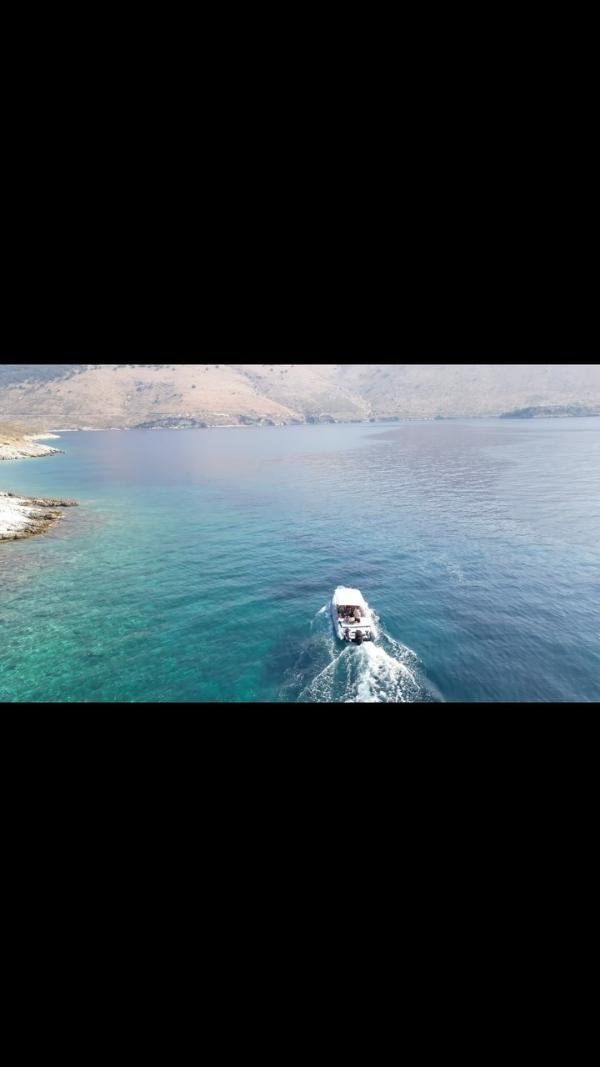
(200, 564)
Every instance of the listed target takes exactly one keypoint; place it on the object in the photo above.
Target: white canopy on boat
(347, 597)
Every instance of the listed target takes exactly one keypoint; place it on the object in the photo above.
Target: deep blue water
(199, 564)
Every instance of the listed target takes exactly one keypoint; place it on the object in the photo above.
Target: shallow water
(200, 563)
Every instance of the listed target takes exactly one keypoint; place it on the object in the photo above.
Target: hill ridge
(126, 395)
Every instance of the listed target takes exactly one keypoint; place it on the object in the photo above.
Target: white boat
(351, 615)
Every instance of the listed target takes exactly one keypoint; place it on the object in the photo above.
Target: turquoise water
(199, 564)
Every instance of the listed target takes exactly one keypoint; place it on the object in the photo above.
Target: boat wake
(379, 671)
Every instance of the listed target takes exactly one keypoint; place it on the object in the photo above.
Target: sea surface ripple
(200, 563)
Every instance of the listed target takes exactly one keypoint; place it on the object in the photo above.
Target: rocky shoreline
(24, 448)
(21, 516)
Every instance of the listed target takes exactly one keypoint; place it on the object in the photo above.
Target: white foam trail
(364, 674)
(379, 671)
(382, 678)
(321, 674)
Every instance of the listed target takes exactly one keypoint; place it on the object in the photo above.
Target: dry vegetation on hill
(41, 396)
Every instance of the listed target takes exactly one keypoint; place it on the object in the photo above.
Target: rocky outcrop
(14, 446)
(22, 517)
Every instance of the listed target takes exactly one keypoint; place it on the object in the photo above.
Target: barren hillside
(47, 396)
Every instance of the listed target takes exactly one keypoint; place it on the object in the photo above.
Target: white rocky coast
(15, 447)
(21, 516)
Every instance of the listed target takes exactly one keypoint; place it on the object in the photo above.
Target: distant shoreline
(384, 421)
